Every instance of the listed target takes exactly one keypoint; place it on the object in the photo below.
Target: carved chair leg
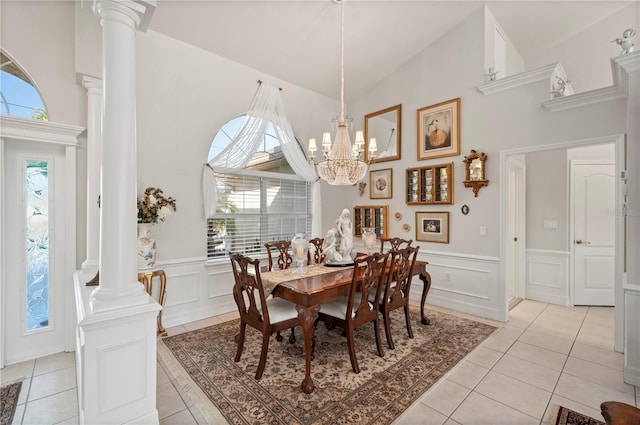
(278, 337)
(263, 355)
(292, 337)
(376, 328)
(387, 329)
(407, 319)
(352, 350)
(240, 341)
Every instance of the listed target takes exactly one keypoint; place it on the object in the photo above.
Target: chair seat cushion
(281, 310)
(338, 308)
(372, 294)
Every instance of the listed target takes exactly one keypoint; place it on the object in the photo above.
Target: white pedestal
(115, 360)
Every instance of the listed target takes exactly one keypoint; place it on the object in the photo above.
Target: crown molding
(517, 80)
(40, 131)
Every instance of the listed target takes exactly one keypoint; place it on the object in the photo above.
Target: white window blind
(253, 210)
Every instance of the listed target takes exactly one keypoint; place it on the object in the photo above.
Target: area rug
(380, 393)
(567, 416)
(9, 401)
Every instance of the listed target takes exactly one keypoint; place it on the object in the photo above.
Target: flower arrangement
(153, 206)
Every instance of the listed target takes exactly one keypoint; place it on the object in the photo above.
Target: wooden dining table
(310, 290)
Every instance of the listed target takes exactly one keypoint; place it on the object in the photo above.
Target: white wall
(184, 96)
(546, 199)
(585, 55)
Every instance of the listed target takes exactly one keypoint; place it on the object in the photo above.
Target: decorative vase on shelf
(299, 249)
(369, 239)
(146, 246)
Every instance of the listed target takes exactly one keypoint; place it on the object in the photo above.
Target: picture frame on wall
(439, 130)
(381, 184)
(432, 226)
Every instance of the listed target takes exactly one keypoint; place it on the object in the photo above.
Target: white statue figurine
(345, 230)
(329, 248)
(625, 42)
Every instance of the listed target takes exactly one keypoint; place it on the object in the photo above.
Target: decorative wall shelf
(376, 216)
(517, 80)
(621, 66)
(430, 185)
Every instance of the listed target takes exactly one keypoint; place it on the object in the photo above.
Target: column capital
(140, 11)
(92, 84)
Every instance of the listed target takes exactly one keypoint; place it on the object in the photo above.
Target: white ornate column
(94, 164)
(117, 321)
(118, 212)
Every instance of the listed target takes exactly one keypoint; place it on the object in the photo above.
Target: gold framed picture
(432, 226)
(439, 130)
(380, 184)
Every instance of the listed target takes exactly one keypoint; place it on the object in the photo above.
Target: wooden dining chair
(395, 291)
(280, 258)
(354, 311)
(317, 257)
(266, 315)
(278, 254)
(395, 243)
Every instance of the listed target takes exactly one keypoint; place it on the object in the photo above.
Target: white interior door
(36, 294)
(594, 203)
(515, 257)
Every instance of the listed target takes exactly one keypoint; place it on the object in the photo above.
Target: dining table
(318, 284)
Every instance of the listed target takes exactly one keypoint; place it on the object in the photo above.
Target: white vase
(146, 246)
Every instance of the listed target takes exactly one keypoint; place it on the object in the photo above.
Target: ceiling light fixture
(342, 164)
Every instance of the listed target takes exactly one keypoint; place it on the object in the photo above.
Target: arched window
(18, 95)
(261, 203)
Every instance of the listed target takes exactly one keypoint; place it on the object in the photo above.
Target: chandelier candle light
(342, 164)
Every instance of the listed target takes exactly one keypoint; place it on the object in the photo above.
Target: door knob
(580, 241)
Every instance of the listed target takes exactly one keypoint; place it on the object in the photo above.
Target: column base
(104, 299)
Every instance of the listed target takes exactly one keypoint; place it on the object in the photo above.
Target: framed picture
(439, 130)
(432, 226)
(380, 184)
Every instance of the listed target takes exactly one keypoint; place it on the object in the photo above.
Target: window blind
(253, 210)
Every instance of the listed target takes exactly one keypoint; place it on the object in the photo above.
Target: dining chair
(395, 243)
(354, 310)
(317, 257)
(395, 291)
(266, 315)
(278, 255)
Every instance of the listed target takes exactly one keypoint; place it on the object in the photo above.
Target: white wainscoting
(196, 290)
(632, 334)
(469, 284)
(547, 276)
(465, 283)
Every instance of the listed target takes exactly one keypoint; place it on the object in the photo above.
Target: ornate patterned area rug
(567, 416)
(383, 389)
(8, 401)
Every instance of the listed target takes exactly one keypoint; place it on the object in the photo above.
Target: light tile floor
(545, 355)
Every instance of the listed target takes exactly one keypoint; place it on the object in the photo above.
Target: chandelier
(342, 163)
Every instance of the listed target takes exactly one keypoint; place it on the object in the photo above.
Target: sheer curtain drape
(265, 107)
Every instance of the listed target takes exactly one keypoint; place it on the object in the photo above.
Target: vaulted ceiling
(299, 40)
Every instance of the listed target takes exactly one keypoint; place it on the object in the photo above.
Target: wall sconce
(474, 171)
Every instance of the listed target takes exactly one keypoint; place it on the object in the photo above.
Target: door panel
(594, 234)
(35, 299)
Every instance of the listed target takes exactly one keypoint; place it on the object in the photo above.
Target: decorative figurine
(329, 247)
(560, 87)
(493, 74)
(625, 42)
(345, 230)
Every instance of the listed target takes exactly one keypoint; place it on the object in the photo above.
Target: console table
(146, 278)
